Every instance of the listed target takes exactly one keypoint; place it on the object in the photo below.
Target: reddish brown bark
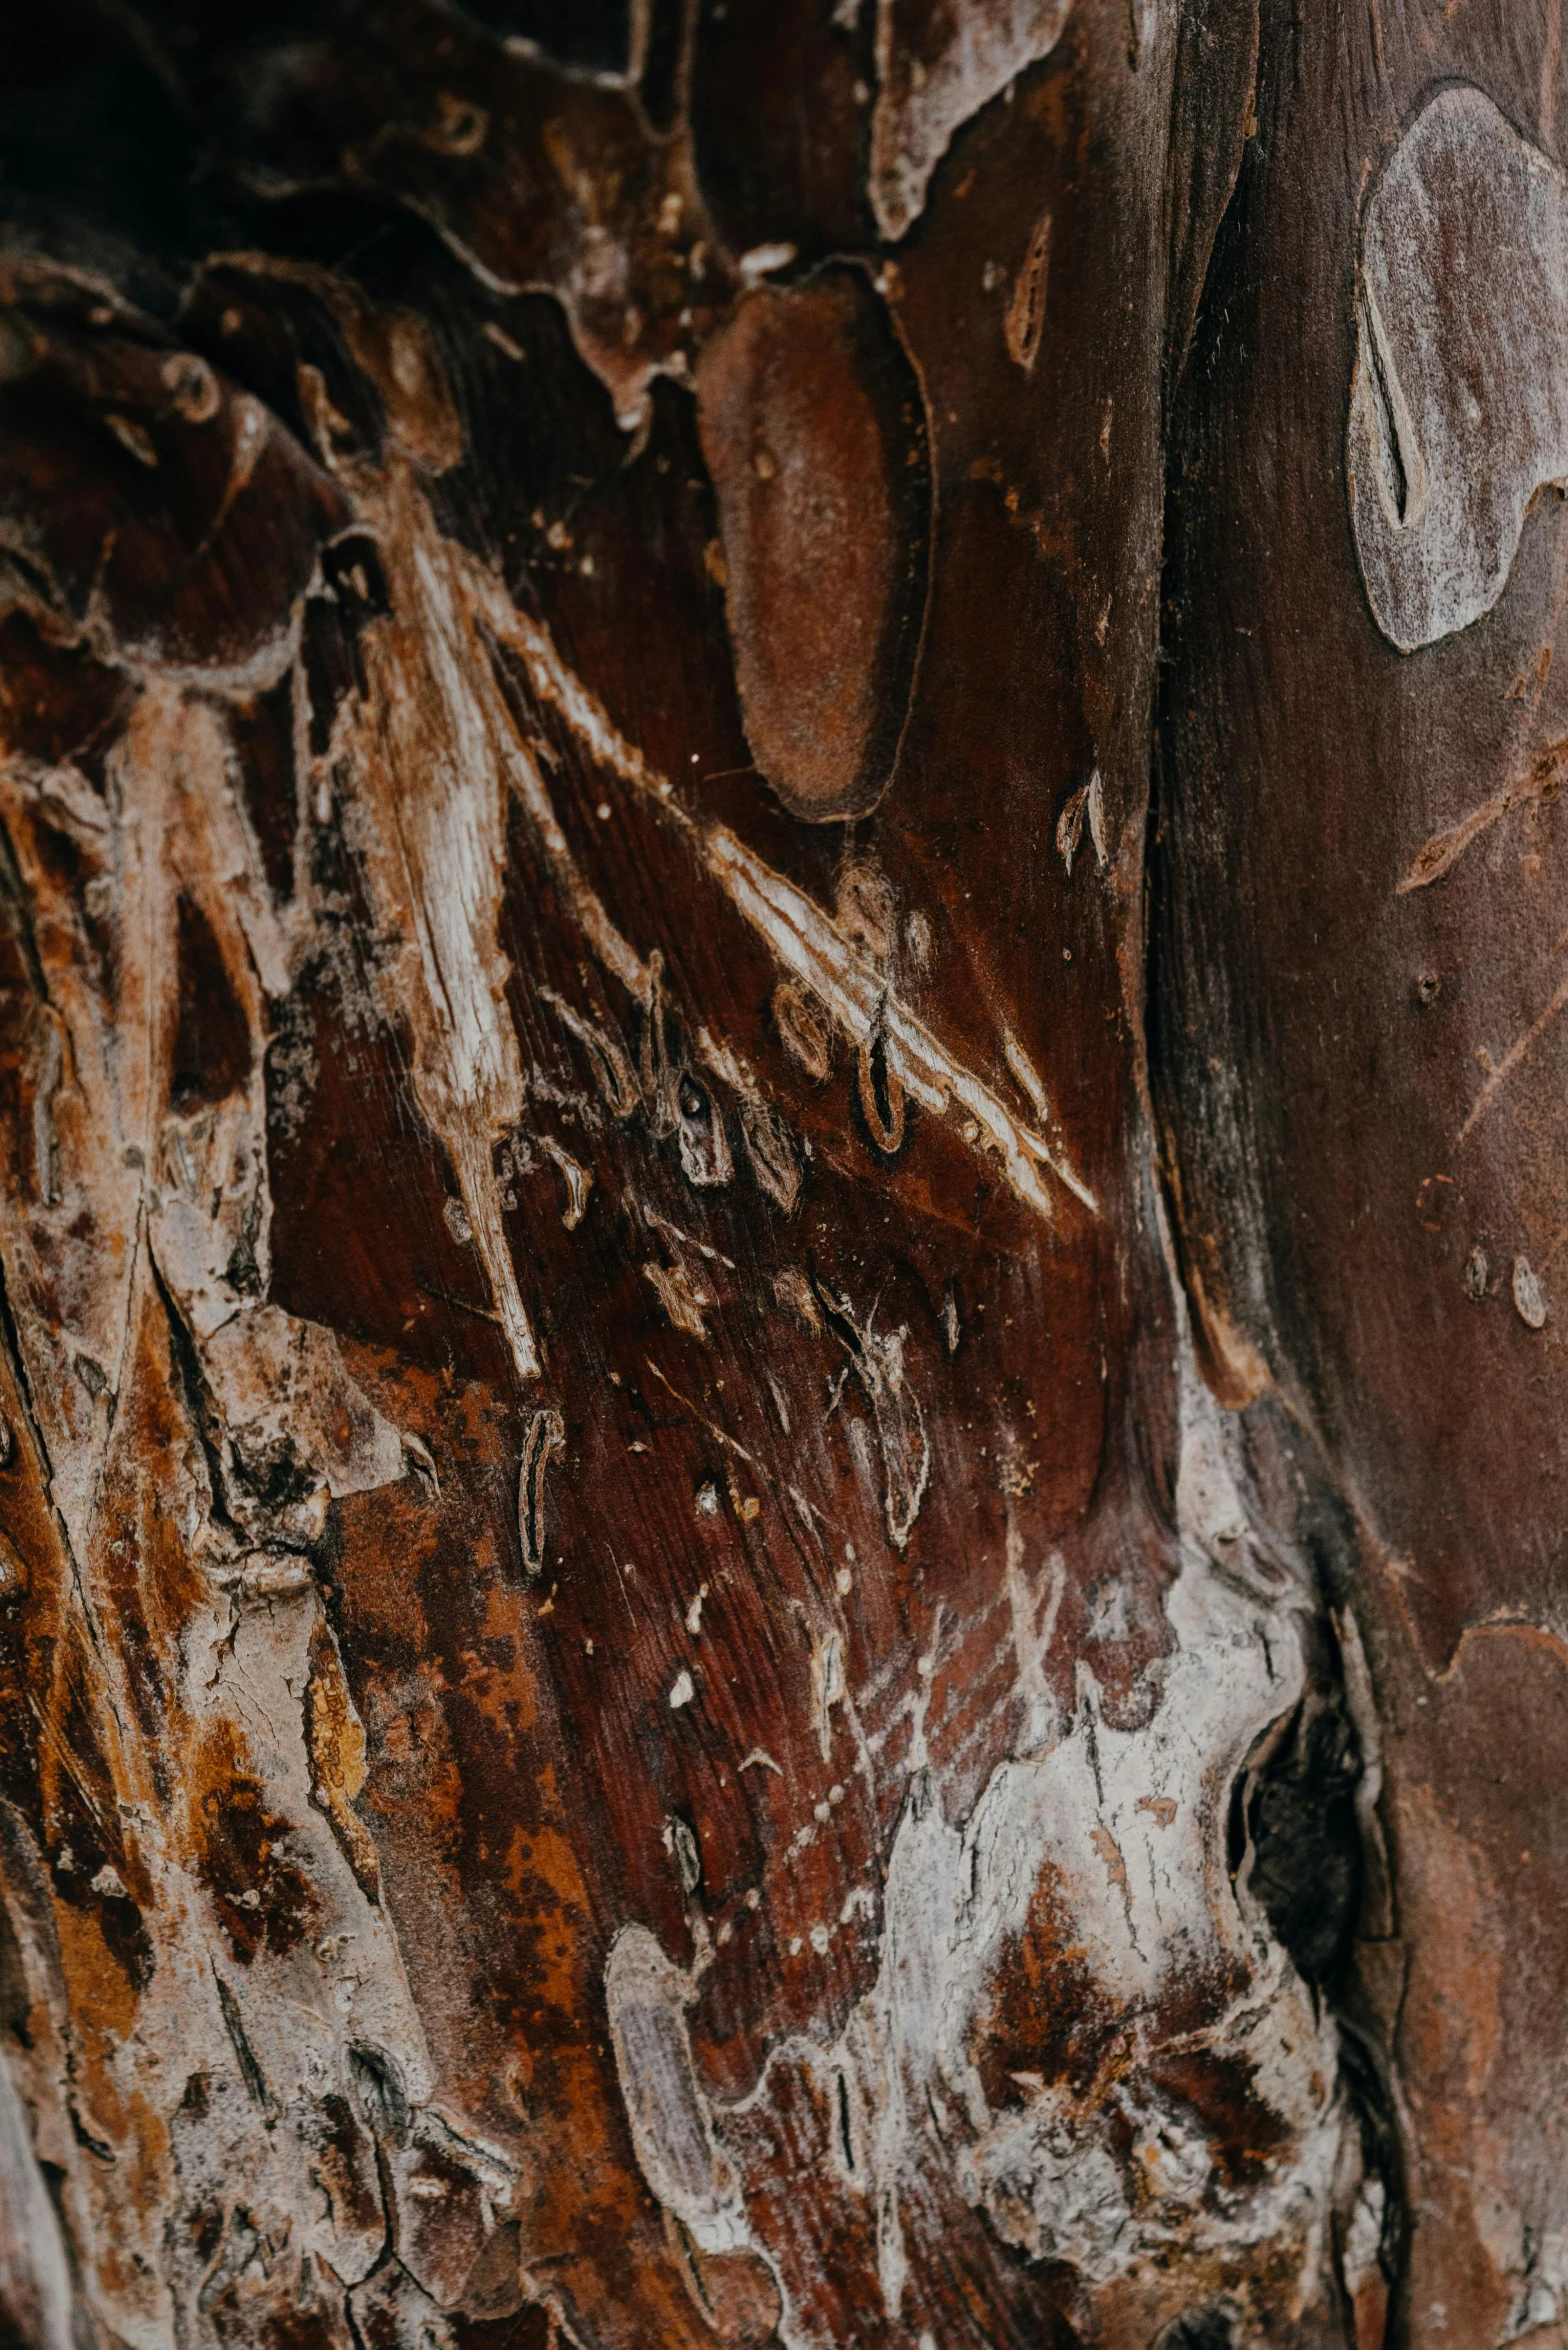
(780, 1408)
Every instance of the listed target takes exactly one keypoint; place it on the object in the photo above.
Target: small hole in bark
(331, 664)
(865, 910)
(846, 2136)
(704, 1144)
(1300, 1819)
(351, 567)
(243, 1271)
(1390, 455)
(546, 1437)
(273, 1474)
(1025, 320)
(681, 1843)
(378, 2084)
(881, 1097)
(192, 387)
(1199, 2329)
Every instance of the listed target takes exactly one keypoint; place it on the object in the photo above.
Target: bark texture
(781, 1175)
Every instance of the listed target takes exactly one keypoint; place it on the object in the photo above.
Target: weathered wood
(780, 1180)
(1354, 986)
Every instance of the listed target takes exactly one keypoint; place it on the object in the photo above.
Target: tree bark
(781, 1142)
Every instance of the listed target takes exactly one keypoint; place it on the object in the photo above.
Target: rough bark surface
(781, 1141)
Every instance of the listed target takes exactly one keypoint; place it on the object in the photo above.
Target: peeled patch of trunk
(937, 67)
(1458, 408)
(814, 432)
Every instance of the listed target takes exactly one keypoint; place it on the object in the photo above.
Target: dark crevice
(1390, 450)
(14, 1998)
(239, 2040)
(378, 2085)
(16, 901)
(666, 64)
(10, 1337)
(10, 1340)
(1300, 1835)
(1209, 2328)
(1305, 1843)
(845, 2134)
(212, 1054)
(546, 1436)
(383, 2105)
(1213, 113)
(192, 1383)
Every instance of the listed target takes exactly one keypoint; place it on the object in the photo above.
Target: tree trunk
(781, 1175)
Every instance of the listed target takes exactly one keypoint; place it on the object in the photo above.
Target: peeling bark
(780, 1204)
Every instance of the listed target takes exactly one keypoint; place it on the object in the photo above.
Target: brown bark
(781, 1176)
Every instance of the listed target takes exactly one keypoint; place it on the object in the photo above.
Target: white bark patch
(110, 1161)
(1459, 400)
(1529, 1294)
(316, 2018)
(937, 66)
(648, 1996)
(35, 2282)
(250, 1666)
(425, 752)
(279, 1378)
(1034, 1611)
(1120, 2183)
(273, 1976)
